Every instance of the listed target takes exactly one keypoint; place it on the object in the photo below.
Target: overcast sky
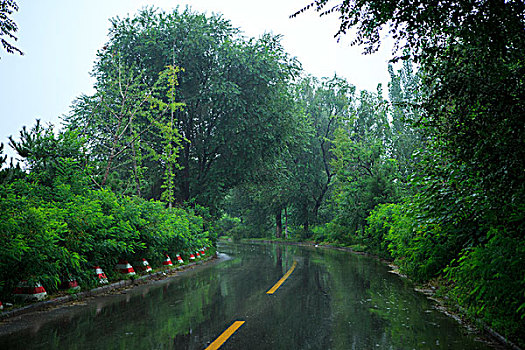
(60, 39)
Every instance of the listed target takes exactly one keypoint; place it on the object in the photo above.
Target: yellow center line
(281, 281)
(225, 335)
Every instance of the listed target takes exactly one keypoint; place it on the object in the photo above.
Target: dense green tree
(365, 171)
(325, 103)
(234, 90)
(51, 161)
(297, 185)
(405, 97)
(472, 59)
(468, 209)
(119, 122)
(261, 200)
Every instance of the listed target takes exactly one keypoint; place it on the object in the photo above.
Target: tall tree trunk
(327, 170)
(278, 224)
(306, 226)
(169, 163)
(135, 169)
(185, 190)
(286, 222)
(112, 153)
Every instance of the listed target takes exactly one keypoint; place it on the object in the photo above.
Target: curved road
(328, 300)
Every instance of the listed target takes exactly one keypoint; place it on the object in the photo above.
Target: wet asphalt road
(331, 300)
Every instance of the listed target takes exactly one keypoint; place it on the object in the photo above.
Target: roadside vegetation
(432, 177)
(55, 225)
(195, 131)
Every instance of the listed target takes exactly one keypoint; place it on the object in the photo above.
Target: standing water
(331, 300)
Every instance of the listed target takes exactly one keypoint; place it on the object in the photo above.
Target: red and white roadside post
(101, 276)
(144, 266)
(167, 262)
(30, 291)
(125, 268)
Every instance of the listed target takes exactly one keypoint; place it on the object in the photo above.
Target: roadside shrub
(420, 245)
(332, 232)
(239, 232)
(319, 233)
(489, 282)
(227, 223)
(48, 241)
(380, 223)
(32, 242)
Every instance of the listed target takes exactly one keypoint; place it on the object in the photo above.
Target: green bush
(54, 225)
(239, 232)
(227, 223)
(380, 223)
(489, 282)
(482, 269)
(51, 240)
(332, 232)
(420, 245)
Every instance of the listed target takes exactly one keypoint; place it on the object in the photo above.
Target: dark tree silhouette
(8, 26)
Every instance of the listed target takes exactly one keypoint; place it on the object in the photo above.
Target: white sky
(60, 39)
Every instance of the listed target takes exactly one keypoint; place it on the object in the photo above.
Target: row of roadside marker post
(26, 291)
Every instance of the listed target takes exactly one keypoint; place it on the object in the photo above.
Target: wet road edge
(128, 283)
(491, 336)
